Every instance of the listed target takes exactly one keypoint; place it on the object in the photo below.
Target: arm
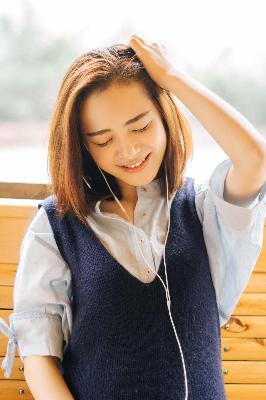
(234, 133)
(44, 378)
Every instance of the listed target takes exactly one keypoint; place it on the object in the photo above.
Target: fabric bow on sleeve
(8, 361)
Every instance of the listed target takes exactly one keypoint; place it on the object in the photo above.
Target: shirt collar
(151, 189)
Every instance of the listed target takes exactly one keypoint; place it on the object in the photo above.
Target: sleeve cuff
(238, 217)
(34, 334)
(38, 335)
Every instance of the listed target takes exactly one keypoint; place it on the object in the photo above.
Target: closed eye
(134, 130)
(142, 129)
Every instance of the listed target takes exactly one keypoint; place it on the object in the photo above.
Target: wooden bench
(243, 337)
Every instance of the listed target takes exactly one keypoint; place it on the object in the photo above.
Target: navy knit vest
(122, 345)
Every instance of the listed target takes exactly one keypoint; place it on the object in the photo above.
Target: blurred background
(220, 43)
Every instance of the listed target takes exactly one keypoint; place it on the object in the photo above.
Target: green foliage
(245, 93)
(32, 67)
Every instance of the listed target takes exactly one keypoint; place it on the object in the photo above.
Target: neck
(129, 193)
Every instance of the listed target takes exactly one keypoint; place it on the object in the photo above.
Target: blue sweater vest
(122, 344)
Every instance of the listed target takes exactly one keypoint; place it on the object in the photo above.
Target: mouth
(139, 167)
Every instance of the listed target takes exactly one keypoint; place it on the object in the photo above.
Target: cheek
(159, 139)
(102, 157)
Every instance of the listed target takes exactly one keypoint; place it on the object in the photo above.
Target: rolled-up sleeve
(42, 317)
(233, 235)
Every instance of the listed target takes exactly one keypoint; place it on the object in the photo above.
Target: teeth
(135, 165)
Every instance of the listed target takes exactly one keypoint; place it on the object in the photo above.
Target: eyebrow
(130, 121)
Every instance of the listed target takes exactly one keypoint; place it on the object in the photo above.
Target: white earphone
(168, 299)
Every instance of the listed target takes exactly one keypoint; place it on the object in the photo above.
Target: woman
(118, 151)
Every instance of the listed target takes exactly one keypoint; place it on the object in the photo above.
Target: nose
(127, 150)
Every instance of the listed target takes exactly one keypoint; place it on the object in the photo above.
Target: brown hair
(68, 159)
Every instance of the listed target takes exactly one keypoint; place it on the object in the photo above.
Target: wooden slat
(18, 208)
(8, 267)
(245, 326)
(261, 262)
(17, 190)
(251, 304)
(254, 349)
(17, 372)
(244, 371)
(7, 278)
(14, 390)
(6, 297)
(15, 218)
(257, 282)
(12, 231)
(245, 392)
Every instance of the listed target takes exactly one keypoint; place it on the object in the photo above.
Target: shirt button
(144, 189)
(141, 240)
(144, 214)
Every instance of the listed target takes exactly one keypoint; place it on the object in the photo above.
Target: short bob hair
(69, 160)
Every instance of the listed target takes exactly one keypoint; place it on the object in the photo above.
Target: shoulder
(48, 202)
(40, 222)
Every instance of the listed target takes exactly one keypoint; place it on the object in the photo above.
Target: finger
(138, 46)
(138, 38)
(144, 41)
(151, 45)
(136, 41)
(156, 46)
(141, 41)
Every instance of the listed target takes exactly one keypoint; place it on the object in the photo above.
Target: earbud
(87, 183)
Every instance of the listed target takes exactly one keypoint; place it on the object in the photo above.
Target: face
(121, 126)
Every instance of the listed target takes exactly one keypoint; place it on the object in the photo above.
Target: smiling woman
(128, 143)
(91, 278)
(110, 114)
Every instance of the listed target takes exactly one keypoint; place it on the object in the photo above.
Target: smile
(139, 166)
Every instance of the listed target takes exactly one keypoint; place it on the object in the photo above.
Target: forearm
(230, 129)
(44, 378)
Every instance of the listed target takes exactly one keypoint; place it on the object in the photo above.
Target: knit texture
(122, 344)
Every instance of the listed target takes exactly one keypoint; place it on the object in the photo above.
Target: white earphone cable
(168, 299)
